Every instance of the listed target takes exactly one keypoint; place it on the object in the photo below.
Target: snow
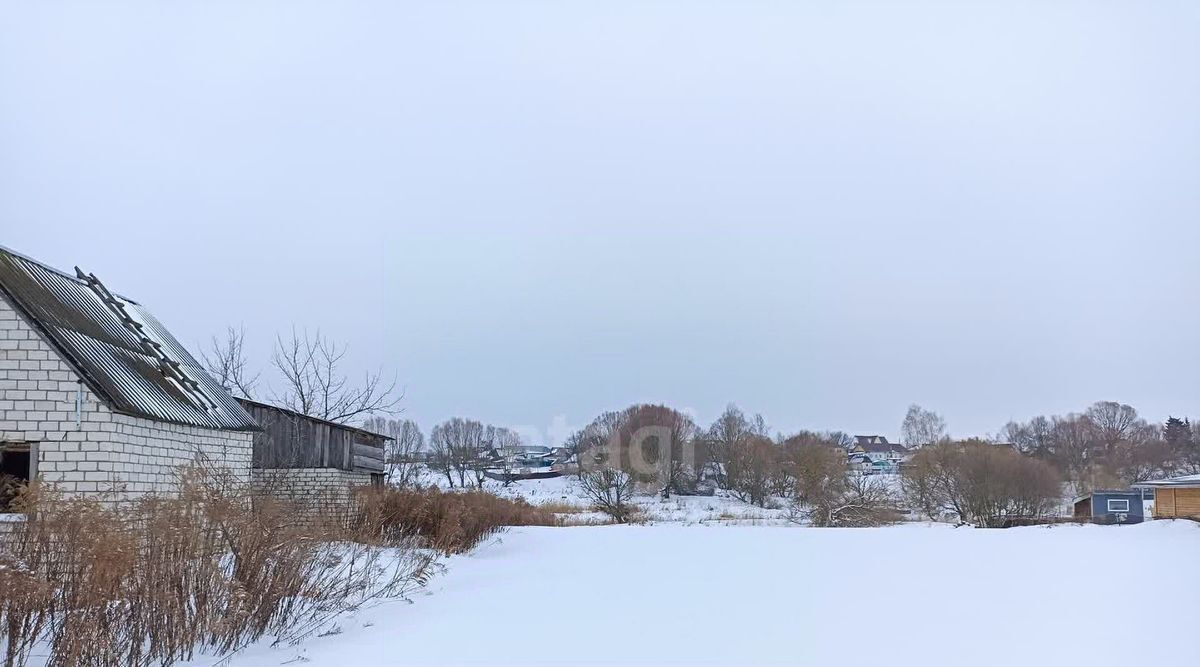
(1185, 480)
(565, 491)
(915, 594)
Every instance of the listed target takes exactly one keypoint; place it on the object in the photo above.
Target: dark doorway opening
(16, 466)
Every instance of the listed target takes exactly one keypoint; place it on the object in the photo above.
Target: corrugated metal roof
(126, 356)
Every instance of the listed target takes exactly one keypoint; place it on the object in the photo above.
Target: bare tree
(610, 489)
(666, 438)
(314, 385)
(225, 360)
(402, 455)
(441, 458)
(461, 447)
(1072, 449)
(1035, 437)
(728, 432)
(812, 463)
(591, 441)
(1112, 423)
(605, 474)
(751, 467)
(1182, 439)
(922, 427)
(928, 481)
(1109, 444)
(504, 443)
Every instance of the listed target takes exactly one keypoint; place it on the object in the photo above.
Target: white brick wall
(315, 484)
(105, 451)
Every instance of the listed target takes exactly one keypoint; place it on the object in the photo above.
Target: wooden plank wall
(1164, 503)
(365, 455)
(293, 441)
(1187, 502)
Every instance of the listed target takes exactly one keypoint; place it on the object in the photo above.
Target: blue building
(1111, 506)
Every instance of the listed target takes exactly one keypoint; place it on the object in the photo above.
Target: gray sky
(537, 210)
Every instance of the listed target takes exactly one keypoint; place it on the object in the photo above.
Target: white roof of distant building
(1186, 481)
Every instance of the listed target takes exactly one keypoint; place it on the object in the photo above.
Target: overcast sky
(537, 211)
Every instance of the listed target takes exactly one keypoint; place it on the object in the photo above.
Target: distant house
(96, 396)
(532, 456)
(1175, 497)
(1111, 506)
(299, 456)
(873, 453)
(860, 462)
(528, 462)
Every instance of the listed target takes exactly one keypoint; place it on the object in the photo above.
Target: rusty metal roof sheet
(127, 357)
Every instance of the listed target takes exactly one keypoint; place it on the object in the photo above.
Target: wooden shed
(290, 440)
(1175, 497)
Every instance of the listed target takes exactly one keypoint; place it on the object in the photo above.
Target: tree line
(1025, 471)
(643, 446)
(1108, 445)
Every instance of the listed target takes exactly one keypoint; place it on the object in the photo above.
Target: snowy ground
(910, 595)
(564, 491)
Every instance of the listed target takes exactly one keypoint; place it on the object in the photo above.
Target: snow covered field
(908, 595)
(720, 509)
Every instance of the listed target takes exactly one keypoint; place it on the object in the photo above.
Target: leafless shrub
(858, 501)
(10, 488)
(610, 489)
(825, 492)
(153, 581)
(981, 482)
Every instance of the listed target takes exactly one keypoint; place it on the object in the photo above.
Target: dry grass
(150, 582)
(452, 522)
(559, 507)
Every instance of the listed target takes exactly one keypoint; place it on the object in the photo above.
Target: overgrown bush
(813, 466)
(982, 483)
(10, 486)
(452, 522)
(150, 582)
(853, 501)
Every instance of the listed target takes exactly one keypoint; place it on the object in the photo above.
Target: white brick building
(97, 396)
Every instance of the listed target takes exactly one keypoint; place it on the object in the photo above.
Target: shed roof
(1186, 481)
(126, 356)
(301, 415)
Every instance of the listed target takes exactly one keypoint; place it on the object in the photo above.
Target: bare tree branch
(226, 361)
(313, 384)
